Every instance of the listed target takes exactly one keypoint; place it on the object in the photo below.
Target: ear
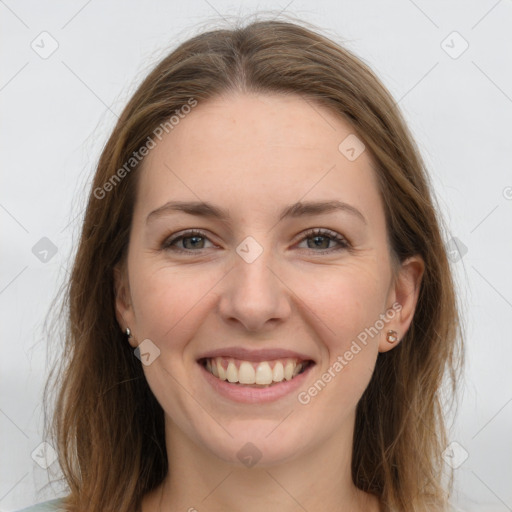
(405, 292)
(123, 306)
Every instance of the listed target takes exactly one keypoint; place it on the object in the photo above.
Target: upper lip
(255, 355)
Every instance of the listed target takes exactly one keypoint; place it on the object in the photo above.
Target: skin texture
(253, 155)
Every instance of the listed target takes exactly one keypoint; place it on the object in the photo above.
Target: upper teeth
(246, 372)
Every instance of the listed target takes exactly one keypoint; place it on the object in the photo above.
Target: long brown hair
(108, 426)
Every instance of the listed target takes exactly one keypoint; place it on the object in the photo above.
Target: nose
(254, 295)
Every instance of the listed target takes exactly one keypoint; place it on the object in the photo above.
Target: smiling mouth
(261, 374)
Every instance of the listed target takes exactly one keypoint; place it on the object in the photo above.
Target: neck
(319, 479)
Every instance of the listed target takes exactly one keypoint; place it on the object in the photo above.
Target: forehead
(252, 150)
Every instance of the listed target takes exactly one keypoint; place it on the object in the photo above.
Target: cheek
(346, 305)
(167, 300)
(346, 300)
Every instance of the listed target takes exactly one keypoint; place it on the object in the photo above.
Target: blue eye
(194, 241)
(320, 236)
(195, 238)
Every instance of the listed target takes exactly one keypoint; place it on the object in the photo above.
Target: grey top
(46, 506)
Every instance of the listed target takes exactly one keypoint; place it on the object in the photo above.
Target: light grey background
(57, 113)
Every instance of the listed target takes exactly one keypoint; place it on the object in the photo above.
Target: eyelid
(341, 240)
(175, 237)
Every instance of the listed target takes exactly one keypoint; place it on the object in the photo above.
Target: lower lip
(248, 395)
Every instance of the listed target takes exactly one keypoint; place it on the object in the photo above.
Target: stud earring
(391, 336)
(128, 332)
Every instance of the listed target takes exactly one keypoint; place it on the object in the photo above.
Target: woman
(261, 311)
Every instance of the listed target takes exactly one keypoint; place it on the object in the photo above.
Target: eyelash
(332, 235)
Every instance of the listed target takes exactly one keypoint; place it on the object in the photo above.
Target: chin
(258, 444)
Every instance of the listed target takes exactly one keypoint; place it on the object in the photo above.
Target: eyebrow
(299, 209)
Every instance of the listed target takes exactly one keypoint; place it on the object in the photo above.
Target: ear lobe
(406, 290)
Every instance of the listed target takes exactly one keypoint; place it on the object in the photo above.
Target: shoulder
(46, 506)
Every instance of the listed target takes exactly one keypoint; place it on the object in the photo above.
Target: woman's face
(261, 272)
